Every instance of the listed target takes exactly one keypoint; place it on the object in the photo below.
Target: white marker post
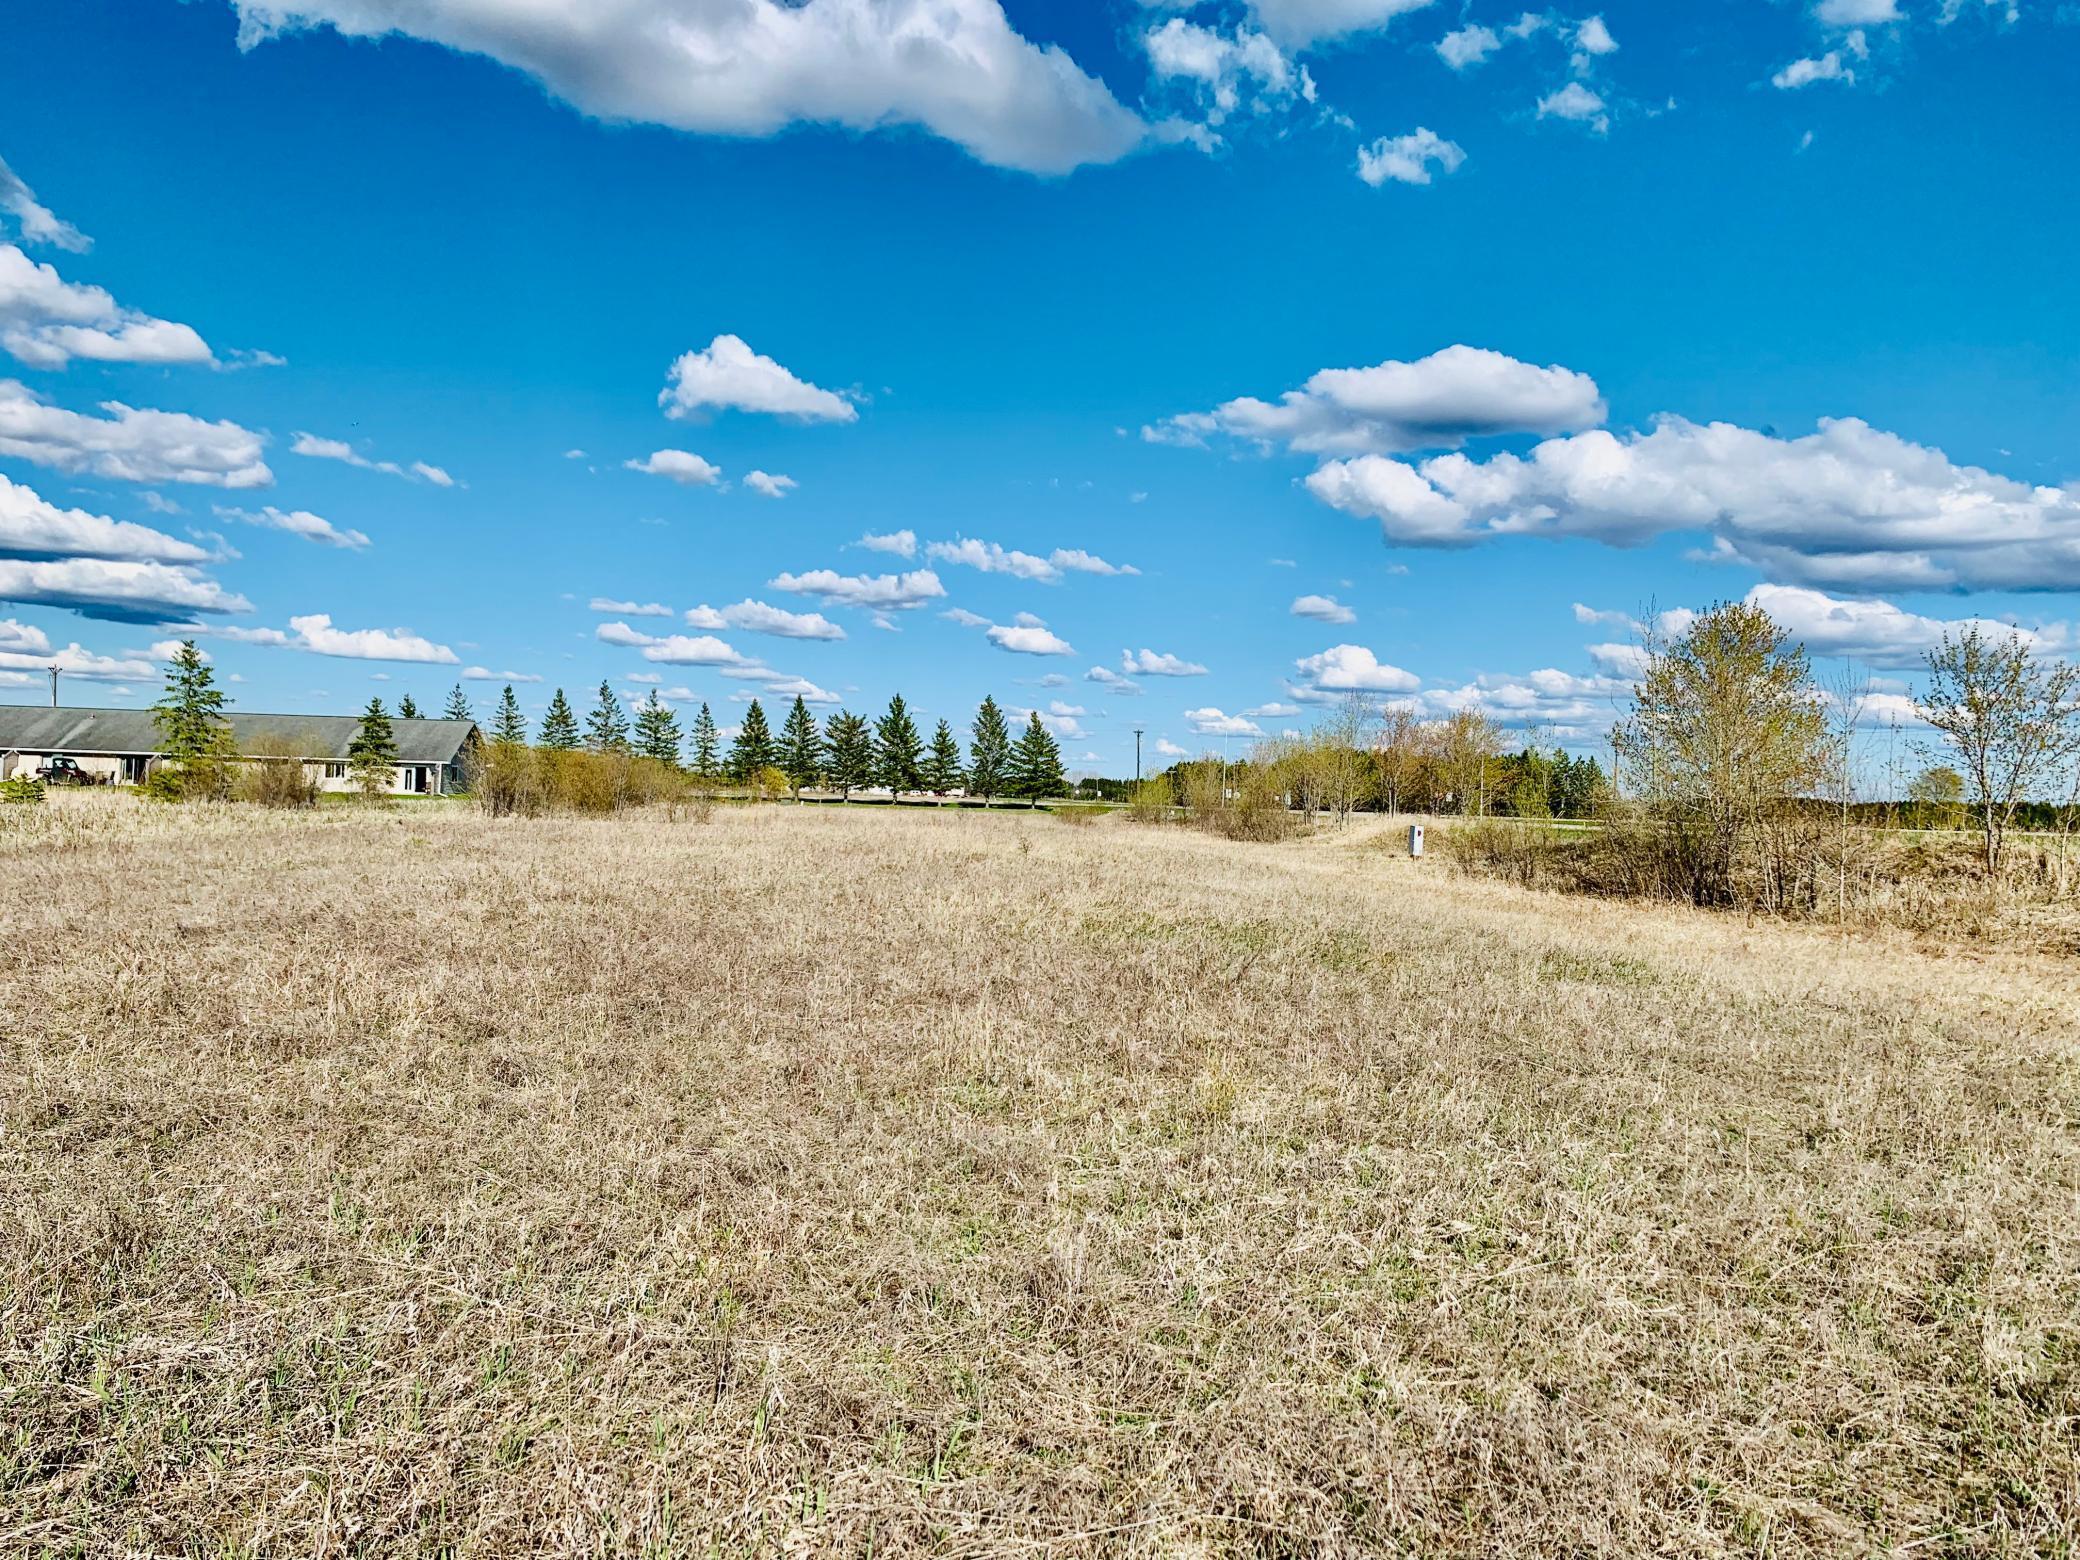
(1415, 839)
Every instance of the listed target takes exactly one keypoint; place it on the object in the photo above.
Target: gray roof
(31, 728)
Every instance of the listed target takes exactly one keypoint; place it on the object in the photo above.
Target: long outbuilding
(121, 746)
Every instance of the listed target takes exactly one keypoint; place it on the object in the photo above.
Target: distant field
(832, 1180)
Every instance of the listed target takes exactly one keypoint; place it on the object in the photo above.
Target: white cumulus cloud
(1408, 159)
(1436, 402)
(1323, 609)
(1848, 505)
(297, 522)
(759, 618)
(768, 485)
(130, 444)
(887, 592)
(1353, 669)
(47, 321)
(314, 632)
(682, 466)
(1151, 663)
(726, 375)
(955, 68)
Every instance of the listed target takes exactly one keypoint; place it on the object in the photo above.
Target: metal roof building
(120, 744)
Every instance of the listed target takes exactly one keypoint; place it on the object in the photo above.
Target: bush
(21, 789)
(1151, 801)
(164, 783)
(273, 775)
(509, 779)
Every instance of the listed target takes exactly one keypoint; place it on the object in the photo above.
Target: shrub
(21, 789)
(165, 783)
(1150, 801)
(273, 775)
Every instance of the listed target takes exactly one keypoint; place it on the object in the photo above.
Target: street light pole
(1137, 753)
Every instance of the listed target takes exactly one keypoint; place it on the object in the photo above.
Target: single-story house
(122, 745)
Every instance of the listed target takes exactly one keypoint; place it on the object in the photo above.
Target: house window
(335, 771)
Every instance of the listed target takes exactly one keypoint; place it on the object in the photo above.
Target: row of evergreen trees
(846, 753)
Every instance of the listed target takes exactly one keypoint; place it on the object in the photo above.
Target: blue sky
(1641, 307)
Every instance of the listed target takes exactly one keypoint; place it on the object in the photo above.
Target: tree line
(844, 753)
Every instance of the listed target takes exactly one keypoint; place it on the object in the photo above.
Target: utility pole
(1137, 753)
(54, 685)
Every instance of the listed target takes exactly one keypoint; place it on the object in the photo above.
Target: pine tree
(1036, 764)
(508, 725)
(707, 746)
(897, 750)
(989, 755)
(458, 705)
(753, 748)
(800, 748)
(407, 710)
(657, 730)
(559, 725)
(372, 755)
(193, 732)
(190, 713)
(606, 728)
(942, 765)
(848, 747)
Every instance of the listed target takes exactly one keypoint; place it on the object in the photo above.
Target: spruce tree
(989, 755)
(848, 747)
(509, 726)
(942, 765)
(407, 710)
(753, 748)
(559, 725)
(898, 750)
(657, 730)
(372, 755)
(800, 748)
(606, 728)
(193, 732)
(190, 713)
(458, 705)
(707, 746)
(1036, 764)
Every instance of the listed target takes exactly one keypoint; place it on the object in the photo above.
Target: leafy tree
(193, 732)
(657, 730)
(753, 749)
(942, 765)
(407, 710)
(989, 754)
(801, 748)
(898, 750)
(1036, 764)
(559, 725)
(848, 749)
(1936, 793)
(707, 745)
(606, 728)
(1725, 729)
(458, 705)
(508, 726)
(2011, 716)
(372, 755)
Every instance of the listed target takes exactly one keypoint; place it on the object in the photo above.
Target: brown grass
(819, 1180)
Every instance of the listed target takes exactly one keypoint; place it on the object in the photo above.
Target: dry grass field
(823, 1181)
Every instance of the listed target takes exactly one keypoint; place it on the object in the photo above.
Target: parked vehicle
(59, 769)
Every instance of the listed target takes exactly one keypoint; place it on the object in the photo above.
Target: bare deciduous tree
(2011, 716)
